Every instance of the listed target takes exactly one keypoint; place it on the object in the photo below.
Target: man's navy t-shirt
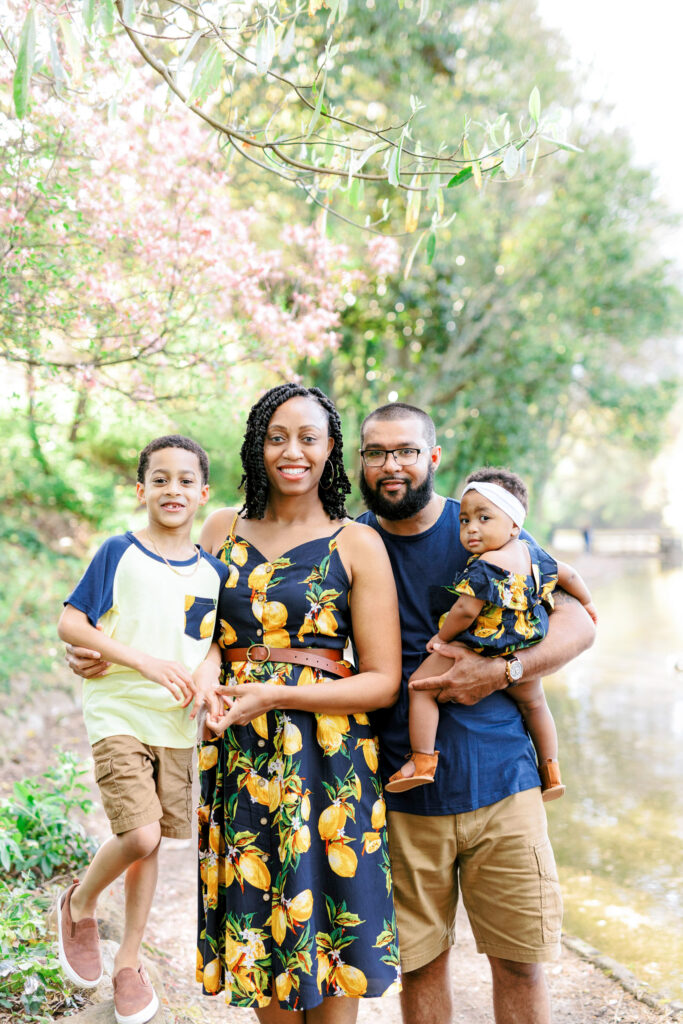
(484, 751)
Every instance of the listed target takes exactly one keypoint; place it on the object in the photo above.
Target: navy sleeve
(94, 593)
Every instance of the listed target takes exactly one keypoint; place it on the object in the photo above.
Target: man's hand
(469, 680)
(84, 662)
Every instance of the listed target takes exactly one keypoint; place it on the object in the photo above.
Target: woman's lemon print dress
(295, 888)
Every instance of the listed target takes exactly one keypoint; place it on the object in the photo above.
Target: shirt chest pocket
(200, 616)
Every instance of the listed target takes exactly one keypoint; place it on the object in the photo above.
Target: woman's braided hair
(254, 479)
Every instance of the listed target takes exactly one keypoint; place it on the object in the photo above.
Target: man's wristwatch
(514, 670)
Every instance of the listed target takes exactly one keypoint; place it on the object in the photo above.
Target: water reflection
(618, 832)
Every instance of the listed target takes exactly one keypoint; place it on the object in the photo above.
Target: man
(480, 828)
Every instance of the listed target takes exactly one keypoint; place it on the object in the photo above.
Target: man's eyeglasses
(375, 457)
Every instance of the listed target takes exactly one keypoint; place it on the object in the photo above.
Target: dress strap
(231, 535)
(342, 527)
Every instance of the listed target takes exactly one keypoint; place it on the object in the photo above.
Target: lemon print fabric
(516, 606)
(296, 900)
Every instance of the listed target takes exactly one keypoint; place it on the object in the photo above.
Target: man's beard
(412, 502)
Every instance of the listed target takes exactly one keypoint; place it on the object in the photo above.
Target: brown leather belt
(325, 660)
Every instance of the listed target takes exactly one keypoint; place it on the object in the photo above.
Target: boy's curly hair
(254, 479)
(504, 478)
(173, 441)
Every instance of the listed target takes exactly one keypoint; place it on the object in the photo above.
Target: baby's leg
(541, 726)
(423, 721)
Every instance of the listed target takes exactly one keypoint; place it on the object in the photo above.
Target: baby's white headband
(500, 497)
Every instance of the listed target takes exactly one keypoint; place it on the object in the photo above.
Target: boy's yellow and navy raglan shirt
(139, 601)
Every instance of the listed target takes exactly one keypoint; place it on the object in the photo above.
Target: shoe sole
(141, 1016)
(410, 782)
(63, 962)
(553, 794)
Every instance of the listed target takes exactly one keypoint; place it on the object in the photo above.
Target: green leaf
(563, 145)
(207, 74)
(411, 256)
(265, 47)
(318, 107)
(413, 206)
(393, 168)
(128, 11)
(72, 48)
(57, 66)
(511, 161)
(431, 246)
(287, 45)
(424, 11)
(189, 47)
(460, 177)
(356, 192)
(469, 155)
(88, 13)
(25, 59)
(107, 16)
(535, 104)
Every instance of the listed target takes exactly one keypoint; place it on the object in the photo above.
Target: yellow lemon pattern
(516, 607)
(296, 892)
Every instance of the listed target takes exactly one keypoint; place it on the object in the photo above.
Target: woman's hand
(246, 702)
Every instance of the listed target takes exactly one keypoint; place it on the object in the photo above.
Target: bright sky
(633, 52)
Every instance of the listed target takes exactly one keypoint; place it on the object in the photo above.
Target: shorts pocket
(200, 616)
(551, 897)
(112, 801)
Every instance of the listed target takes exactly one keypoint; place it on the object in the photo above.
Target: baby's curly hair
(254, 479)
(504, 478)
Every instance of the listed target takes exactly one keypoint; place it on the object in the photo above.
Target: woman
(296, 903)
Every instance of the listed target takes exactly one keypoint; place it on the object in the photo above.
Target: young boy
(154, 595)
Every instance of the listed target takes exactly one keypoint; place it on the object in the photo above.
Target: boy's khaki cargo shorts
(140, 784)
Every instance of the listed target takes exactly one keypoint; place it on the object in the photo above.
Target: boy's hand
(208, 700)
(173, 676)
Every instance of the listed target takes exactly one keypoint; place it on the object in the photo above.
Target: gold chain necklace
(161, 555)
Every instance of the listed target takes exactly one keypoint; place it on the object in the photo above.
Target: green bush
(38, 839)
(38, 580)
(31, 981)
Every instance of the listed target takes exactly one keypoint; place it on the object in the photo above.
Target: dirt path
(581, 992)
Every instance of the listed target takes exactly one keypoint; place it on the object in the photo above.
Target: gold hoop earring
(326, 487)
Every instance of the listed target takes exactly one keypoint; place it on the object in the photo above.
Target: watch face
(515, 669)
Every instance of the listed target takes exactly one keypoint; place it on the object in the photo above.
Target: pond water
(618, 831)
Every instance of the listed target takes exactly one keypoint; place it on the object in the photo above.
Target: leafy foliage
(273, 80)
(38, 838)
(31, 984)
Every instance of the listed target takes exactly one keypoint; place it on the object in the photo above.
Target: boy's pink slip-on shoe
(79, 944)
(135, 1001)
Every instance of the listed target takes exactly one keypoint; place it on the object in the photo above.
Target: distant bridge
(661, 543)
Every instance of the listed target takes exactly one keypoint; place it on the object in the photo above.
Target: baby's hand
(592, 611)
(436, 639)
